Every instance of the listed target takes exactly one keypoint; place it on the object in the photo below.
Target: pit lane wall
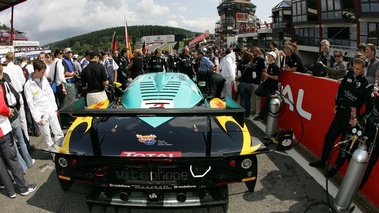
(314, 98)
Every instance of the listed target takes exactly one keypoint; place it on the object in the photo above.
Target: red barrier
(314, 99)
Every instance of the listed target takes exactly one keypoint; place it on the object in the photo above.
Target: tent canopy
(5, 4)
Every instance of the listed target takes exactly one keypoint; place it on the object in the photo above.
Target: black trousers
(373, 147)
(339, 127)
(263, 92)
(215, 84)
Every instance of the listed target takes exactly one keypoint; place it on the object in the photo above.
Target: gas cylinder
(273, 115)
(352, 180)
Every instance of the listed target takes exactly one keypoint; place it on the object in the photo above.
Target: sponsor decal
(146, 139)
(163, 154)
(119, 185)
(148, 174)
(163, 143)
(151, 187)
(185, 187)
(98, 105)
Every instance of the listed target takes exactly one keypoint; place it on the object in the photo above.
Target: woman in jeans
(246, 82)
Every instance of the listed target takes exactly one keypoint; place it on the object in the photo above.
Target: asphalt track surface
(283, 185)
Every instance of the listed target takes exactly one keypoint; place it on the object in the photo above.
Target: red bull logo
(147, 139)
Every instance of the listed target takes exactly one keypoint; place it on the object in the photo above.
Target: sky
(49, 21)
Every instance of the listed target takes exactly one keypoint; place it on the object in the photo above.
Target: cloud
(149, 9)
(197, 24)
(182, 9)
(171, 23)
(57, 20)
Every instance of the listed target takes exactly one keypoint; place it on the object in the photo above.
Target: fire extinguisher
(273, 115)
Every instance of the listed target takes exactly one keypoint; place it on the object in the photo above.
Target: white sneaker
(32, 188)
(33, 161)
(52, 148)
(13, 196)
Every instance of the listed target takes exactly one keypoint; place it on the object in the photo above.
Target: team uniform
(353, 92)
(157, 64)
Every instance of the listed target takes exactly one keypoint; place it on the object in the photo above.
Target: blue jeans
(245, 90)
(17, 134)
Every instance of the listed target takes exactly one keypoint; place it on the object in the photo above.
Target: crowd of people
(243, 74)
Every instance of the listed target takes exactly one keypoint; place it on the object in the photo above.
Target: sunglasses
(61, 53)
(337, 56)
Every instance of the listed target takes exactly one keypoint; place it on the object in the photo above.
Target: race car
(161, 144)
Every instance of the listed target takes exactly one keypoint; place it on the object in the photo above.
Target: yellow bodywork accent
(249, 179)
(66, 143)
(64, 177)
(246, 146)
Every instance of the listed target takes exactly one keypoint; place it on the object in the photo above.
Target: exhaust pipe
(181, 197)
(124, 196)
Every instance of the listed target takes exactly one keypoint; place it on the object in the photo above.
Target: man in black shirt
(157, 62)
(293, 60)
(353, 92)
(94, 80)
(185, 63)
(123, 73)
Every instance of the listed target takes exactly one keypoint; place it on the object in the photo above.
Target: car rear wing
(78, 109)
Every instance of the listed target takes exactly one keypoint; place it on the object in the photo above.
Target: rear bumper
(161, 198)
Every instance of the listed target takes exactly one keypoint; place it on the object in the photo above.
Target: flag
(144, 48)
(114, 42)
(127, 40)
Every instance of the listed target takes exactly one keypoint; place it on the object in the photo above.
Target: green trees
(102, 39)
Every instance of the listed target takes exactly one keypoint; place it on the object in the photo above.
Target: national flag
(127, 40)
(144, 48)
(114, 42)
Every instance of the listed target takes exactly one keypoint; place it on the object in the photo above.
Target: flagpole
(127, 39)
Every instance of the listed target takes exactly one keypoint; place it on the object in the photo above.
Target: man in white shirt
(40, 98)
(57, 75)
(18, 80)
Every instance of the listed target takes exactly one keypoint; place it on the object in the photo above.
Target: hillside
(102, 39)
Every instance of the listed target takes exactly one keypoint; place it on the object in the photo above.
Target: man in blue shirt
(207, 73)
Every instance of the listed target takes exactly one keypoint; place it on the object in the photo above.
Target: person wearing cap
(94, 80)
(70, 75)
(269, 85)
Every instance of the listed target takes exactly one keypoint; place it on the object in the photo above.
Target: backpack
(25, 71)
